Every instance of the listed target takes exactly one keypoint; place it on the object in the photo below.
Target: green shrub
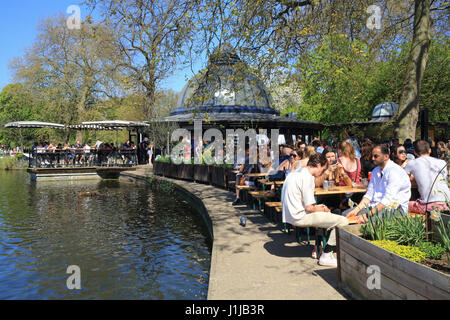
(408, 252)
(408, 230)
(432, 250)
(393, 225)
(164, 159)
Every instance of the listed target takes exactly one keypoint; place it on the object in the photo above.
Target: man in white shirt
(300, 208)
(389, 187)
(425, 171)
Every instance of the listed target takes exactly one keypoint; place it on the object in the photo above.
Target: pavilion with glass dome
(226, 95)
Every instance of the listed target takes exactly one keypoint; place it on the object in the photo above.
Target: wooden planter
(400, 278)
(218, 176)
(158, 168)
(168, 170)
(201, 173)
(187, 172)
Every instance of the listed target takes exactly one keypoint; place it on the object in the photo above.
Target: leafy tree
(152, 37)
(16, 104)
(69, 72)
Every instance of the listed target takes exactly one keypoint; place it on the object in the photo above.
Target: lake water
(129, 242)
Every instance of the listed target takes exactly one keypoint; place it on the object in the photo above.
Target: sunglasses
(401, 151)
(294, 155)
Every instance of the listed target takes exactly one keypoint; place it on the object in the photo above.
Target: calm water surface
(129, 242)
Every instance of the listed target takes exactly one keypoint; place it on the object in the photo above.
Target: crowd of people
(9, 152)
(50, 154)
(389, 171)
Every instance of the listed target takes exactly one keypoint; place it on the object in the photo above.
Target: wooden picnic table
(255, 175)
(271, 183)
(339, 190)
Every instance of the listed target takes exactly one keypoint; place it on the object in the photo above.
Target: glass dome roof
(226, 86)
(384, 111)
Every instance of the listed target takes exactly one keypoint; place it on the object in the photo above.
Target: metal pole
(168, 143)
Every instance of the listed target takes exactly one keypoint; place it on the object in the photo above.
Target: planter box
(218, 176)
(434, 224)
(174, 171)
(158, 168)
(168, 170)
(201, 173)
(161, 168)
(400, 278)
(187, 172)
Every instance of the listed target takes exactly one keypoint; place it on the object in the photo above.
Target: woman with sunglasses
(293, 163)
(398, 155)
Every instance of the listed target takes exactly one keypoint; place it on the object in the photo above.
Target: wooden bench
(269, 211)
(243, 190)
(260, 196)
(320, 233)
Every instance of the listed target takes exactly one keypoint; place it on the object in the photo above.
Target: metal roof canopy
(92, 127)
(117, 124)
(34, 124)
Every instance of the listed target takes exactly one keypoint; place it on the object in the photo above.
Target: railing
(72, 158)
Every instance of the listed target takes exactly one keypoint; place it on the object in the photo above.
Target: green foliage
(432, 250)
(342, 80)
(408, 252)
(7, 163)
(164, 159)
(444, 233)
(408, 230)
(390, 224)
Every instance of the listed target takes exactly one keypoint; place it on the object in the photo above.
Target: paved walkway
(256, 262)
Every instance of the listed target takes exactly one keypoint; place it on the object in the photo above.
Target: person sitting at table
(389, 187)
(398, 155)
(426, 170)
(50, 153)
(78, 146)
(309, 151)
(292, 163)
(87, 152)
(334, 171)
(285, 153)
(300, 145)
(67, 153)
(366, 158)
(244, 169)
(351, 165)
(300, 208)
(265, 165)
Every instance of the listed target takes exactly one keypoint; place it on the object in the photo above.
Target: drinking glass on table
(365, 182)
(330, 185)
(325, 184)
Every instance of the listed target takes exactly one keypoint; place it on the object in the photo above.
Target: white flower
(435, 215)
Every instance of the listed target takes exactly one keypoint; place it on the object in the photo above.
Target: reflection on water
(129, 242)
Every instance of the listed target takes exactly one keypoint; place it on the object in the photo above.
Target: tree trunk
(409, 101)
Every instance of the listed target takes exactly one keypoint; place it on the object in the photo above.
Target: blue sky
(18, 29)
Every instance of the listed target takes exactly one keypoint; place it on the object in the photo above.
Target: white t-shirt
(425, 170)
(297, 194)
